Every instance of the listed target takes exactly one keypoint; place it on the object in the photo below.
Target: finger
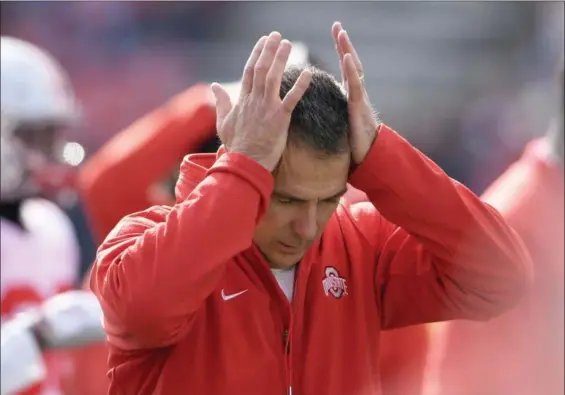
(355, 85)
(264, 63)
(223, 103)
(247, 78)
(340, 57)
(297, 91)
(346, 46)
(274, 77)
(336, 28)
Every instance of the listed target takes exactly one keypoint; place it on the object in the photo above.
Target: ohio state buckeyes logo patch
(334, 284)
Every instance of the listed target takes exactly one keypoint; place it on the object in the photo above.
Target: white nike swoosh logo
(228, 297)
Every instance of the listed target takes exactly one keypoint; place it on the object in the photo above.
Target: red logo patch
(334, 284)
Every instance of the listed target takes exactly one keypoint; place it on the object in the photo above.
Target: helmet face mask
(46, 139)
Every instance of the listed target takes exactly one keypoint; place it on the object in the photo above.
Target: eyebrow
(298, 199)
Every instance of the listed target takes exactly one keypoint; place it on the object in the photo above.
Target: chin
(283, 261)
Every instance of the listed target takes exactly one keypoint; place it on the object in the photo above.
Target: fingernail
(287, 45)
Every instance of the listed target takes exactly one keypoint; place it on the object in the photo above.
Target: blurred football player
(521, 352)
(70, 319)
(39, 255)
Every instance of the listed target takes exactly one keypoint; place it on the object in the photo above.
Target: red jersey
(117, 180)
(191, 306)
(521, 352)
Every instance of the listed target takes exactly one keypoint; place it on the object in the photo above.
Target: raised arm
(440, 252)
(156, 267)
(116, 181)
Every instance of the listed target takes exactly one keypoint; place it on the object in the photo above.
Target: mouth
(288, 248)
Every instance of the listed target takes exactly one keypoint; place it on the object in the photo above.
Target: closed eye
(282, 200)
(333, 200)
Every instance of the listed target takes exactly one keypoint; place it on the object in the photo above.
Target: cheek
(280, 215)
(275, 219)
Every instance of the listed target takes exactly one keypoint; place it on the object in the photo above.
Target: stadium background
(466, 82)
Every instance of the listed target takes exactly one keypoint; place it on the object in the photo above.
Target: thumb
(223, 102)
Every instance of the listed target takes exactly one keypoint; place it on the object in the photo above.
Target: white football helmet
(37, 100)
(35, 88)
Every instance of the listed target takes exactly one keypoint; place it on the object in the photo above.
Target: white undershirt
(285, 278)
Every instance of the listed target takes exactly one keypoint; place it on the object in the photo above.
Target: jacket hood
(192, 171)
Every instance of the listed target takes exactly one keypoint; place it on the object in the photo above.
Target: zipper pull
(286, 344)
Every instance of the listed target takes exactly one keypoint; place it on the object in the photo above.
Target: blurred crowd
(127, 59)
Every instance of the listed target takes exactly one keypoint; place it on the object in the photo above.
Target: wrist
(370, 141)
(266, 163)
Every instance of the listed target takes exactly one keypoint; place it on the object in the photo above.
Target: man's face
(307, 191)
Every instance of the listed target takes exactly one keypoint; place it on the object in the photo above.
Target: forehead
(306, 175)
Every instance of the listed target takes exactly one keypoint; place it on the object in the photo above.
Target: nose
(306, 224)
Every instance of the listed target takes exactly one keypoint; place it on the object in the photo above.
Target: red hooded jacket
(166, 279)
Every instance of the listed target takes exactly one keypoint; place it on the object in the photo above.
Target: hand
(257, 125)
(363, 122)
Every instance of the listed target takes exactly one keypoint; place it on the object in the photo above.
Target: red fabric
(160, 273)
(117, 180)
(521, 352)
(403, 352)
(403, 357)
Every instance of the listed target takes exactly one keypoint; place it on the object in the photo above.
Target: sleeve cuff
(380, 160)
(248, 169)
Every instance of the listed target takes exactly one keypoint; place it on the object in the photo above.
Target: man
(40, 254)
(70, 319)
(190, 302)
(521, 352)
(148, 151)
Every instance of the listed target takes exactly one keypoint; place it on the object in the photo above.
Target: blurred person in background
(40, 253)
(521, 352)
(469, 264)
(67, 320)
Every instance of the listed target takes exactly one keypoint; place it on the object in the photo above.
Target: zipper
(288, 332)
(254, 254)
(286, 343)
